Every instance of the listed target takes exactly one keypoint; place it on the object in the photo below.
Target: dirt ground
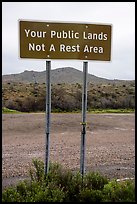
(110, 143)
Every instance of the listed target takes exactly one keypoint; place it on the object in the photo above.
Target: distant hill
(60, 75)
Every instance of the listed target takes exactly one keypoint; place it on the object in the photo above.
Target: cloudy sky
(121, 15)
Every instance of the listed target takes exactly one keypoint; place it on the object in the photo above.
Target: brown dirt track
(110, 143)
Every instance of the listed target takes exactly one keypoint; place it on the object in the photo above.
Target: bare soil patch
(110, 143)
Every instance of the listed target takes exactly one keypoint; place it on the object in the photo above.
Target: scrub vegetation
(30, 97)
(62, 185)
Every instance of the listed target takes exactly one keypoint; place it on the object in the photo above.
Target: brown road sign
(48, 40)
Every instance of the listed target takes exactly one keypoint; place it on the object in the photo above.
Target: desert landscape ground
(110, 143)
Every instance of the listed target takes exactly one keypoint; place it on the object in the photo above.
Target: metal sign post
(84, 109)
(65, 40)
(48, 111)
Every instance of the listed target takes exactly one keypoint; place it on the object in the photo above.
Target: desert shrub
(63, 98)
(67, 97)
(95, 181)
(37, 171)
(61, 185)
(10, 195)
(10, 104)
(90, 195)
(123, 191)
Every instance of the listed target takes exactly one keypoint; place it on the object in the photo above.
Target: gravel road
(110, 143)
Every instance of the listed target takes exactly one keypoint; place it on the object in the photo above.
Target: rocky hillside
(67, 75)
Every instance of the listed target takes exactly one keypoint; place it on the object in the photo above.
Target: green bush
(123, 191)
(93, 180)
(10, 195)
(61, 185)
(37, 171)
(90, 195)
